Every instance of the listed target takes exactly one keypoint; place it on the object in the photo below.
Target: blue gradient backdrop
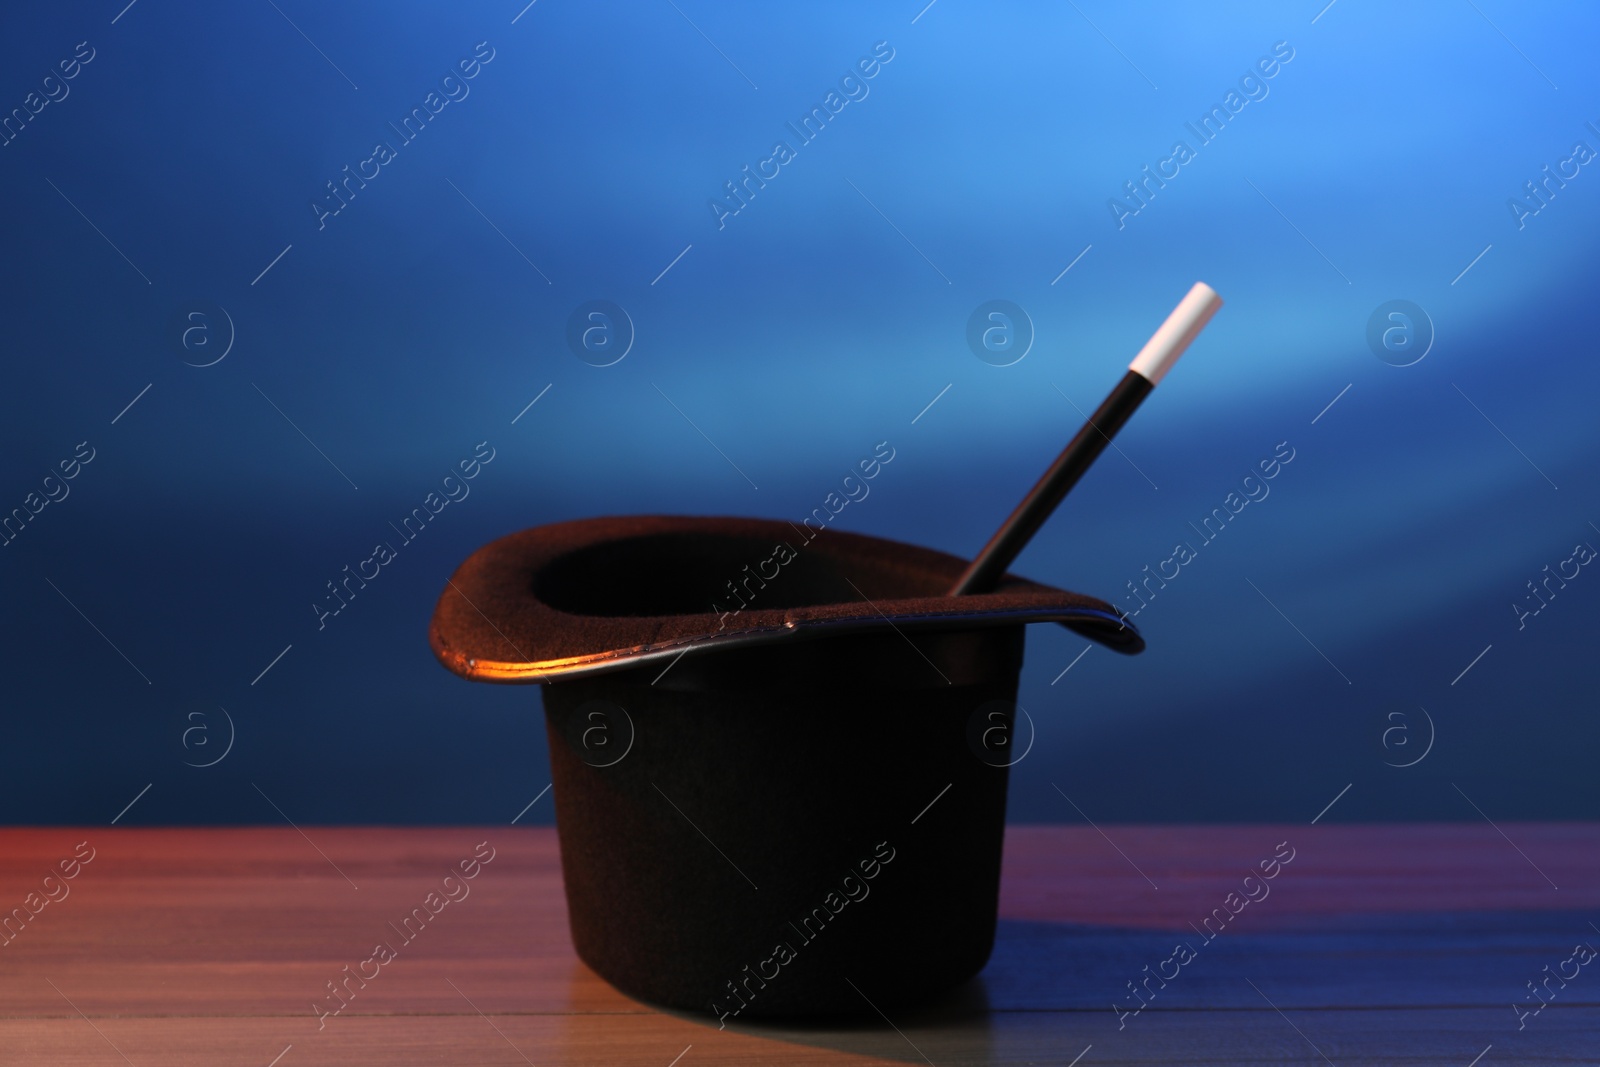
(820, 319)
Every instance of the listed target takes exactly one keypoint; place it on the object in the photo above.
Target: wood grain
(1375, 944)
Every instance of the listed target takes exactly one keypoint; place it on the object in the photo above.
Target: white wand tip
(1182, 326)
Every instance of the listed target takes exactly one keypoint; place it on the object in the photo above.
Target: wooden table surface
(1374, 944)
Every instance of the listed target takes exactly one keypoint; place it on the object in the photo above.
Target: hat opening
(692, 573)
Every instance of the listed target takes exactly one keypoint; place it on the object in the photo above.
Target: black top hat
(769, 741)
(609, 594)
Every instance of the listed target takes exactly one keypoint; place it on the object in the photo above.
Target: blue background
(806, 329)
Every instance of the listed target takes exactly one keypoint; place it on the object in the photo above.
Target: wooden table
(1374, 944)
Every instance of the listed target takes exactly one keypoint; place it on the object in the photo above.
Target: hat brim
(611, 594)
